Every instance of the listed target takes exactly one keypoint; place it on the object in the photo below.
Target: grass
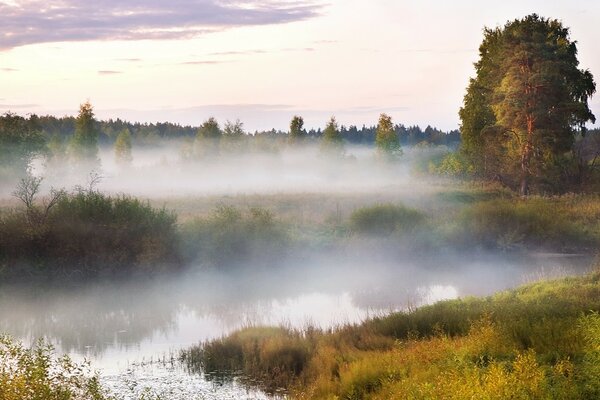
(568, 223)
(539, 341)
(91, 234)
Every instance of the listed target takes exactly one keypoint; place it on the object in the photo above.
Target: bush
(229, 237)
(87, 233)
(36, 374)
(540, 222)
(385, 219)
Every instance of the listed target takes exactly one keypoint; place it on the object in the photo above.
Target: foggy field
(311, 200)
(296, 238)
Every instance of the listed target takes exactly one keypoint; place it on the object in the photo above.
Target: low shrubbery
(548, 223)
(229, 237)
(86, 233)
(38, 374)
(537, 341)
(386, 219)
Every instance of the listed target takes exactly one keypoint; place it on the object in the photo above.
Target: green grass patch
(537, 341)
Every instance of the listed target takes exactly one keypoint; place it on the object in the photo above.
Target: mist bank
(88, 234)
(169, 170)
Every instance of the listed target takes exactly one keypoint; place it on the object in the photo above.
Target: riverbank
(537, 341)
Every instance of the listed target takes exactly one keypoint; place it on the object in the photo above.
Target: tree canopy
(123, 148)
(332, 141)
(20, 141)
(387, 141)
(297, 132)
(526, 104)
(84, 145)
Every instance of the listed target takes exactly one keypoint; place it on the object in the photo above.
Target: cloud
(132, 60)
(203, 62)
(8, 69)
(40, 21)
(108, 72)
(18, 106)
(259, 51)
(237, 53)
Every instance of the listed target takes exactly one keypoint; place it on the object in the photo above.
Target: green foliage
(20, 142)
(452, 164)
(234, 137)
(528, 100)
(208, 138)
(537, 341)
(85, 233)
(123, 148)
(230, 238)
(387, 141)
(386, 219)
(297, 132)
(533, 222)
(590, 368)
(332, 141)
(84, 144)
(37, 374)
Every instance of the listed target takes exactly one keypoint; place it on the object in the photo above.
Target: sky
(262, 61)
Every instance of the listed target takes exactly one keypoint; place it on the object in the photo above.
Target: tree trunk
(526, 157)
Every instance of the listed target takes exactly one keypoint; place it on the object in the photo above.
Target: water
(132, 332)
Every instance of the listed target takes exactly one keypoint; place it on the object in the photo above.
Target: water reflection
(117, 324)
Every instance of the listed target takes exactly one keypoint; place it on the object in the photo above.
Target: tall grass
(537, 341)
(550, 223)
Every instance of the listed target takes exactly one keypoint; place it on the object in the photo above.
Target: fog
(164, 170)
(124, 326)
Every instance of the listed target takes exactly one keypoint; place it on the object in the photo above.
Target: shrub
(229, 237)
(540, 222)
(37, 374)
(385, 219)
(87, 233)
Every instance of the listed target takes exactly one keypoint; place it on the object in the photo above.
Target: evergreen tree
(332, 141)
(84, 145)
(526, 104)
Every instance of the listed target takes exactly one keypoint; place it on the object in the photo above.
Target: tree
(20, 142)
(332, 141)
(123, 148)
(233, 136)
(387, 141)
(297, 132)
(528, 101)
(233, 129)
(84, 145)
(208, 138)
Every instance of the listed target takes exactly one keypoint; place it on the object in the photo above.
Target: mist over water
(129, 328)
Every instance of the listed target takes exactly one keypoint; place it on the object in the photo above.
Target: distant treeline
(152, 133)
